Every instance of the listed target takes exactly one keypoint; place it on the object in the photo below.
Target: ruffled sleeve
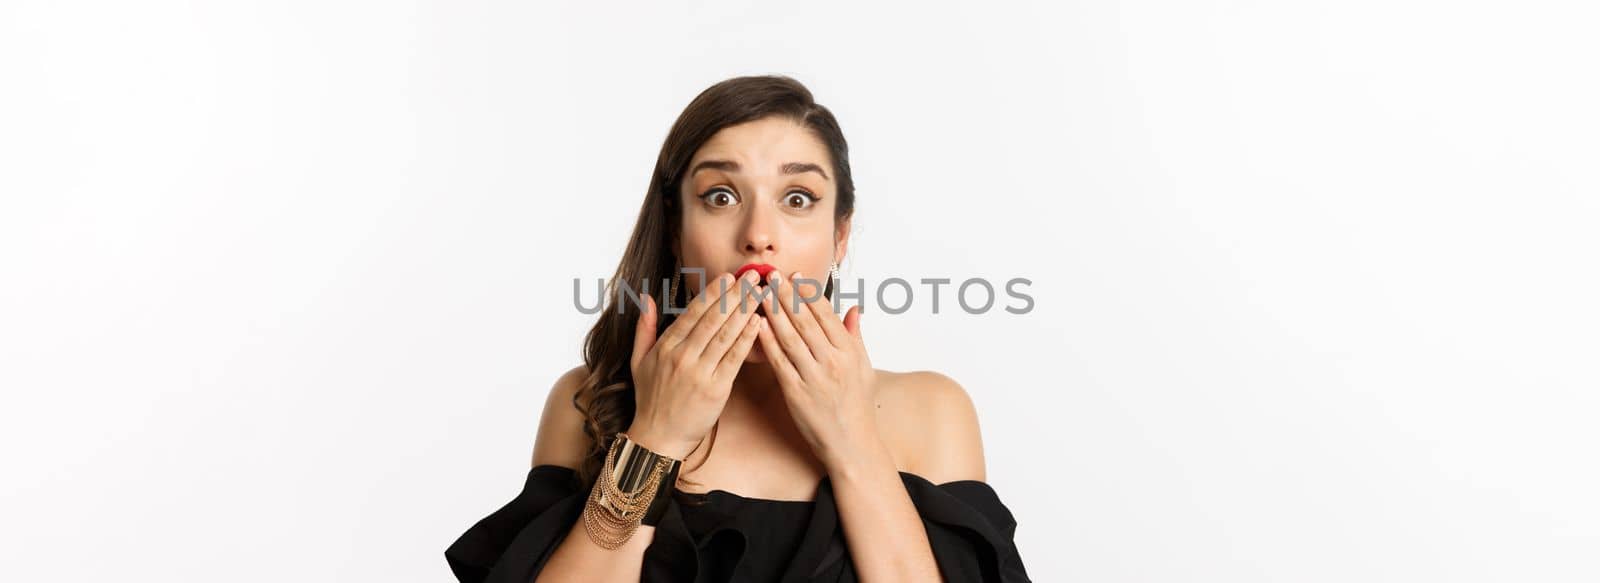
(970, 530)
(514, 542)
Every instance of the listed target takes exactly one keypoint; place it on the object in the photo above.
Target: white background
(283, 285)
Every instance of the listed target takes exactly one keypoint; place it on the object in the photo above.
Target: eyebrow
(731, 166)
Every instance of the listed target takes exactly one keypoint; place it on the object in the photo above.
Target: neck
(756, 385)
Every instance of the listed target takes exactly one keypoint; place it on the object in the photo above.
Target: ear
(841, 245)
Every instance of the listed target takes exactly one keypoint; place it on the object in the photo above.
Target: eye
(799, 200)
(720, 197)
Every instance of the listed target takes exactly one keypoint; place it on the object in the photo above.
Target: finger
(734, 358)
(782, 366)
(805, 323)
(720, 305)
(778, 319)
(681, 327)
(644, 332)
(822, 311)
(728, 333)
(852, 321)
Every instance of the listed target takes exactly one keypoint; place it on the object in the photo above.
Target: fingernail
(776, 276)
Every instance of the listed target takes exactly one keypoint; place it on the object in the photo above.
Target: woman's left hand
(822, 367)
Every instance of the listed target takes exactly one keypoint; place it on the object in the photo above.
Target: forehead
(762, 145)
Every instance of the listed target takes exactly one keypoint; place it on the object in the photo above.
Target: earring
(833, 276)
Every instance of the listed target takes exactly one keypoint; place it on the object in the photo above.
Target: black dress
(721, 536)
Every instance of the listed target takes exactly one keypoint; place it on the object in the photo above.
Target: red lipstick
(762, 269)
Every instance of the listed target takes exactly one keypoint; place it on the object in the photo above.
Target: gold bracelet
(627, 488)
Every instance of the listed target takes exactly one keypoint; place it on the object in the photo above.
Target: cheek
(703, 245)
(816, 246)
(704, 227)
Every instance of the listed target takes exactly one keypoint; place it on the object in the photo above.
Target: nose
(760, 235)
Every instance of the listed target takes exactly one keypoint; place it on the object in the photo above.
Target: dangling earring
(833, 276)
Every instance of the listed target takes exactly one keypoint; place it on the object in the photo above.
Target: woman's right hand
(682, 379)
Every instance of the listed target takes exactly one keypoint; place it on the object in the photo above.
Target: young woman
(747, 438)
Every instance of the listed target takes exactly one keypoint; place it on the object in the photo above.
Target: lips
(761, 268)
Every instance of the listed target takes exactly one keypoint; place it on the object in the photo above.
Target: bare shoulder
(930, 424)
(560, 440)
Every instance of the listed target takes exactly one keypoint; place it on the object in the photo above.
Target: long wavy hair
(606, 396)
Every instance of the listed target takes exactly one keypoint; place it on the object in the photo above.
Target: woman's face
(760, 192)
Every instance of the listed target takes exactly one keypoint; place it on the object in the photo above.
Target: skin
(792, 391)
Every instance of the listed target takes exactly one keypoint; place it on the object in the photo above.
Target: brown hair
(608, 347)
